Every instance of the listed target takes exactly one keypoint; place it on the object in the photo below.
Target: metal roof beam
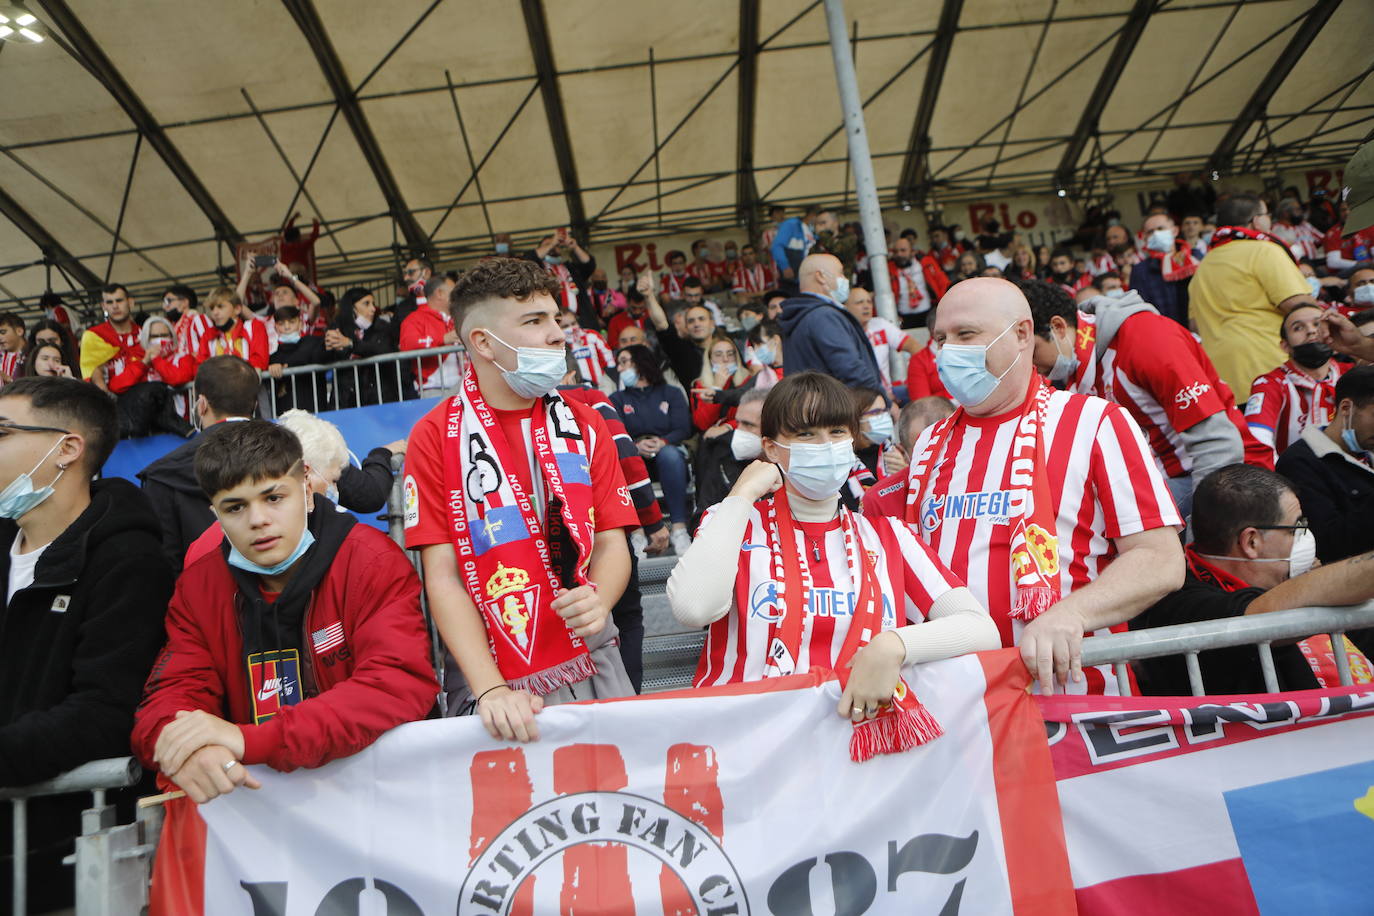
(916, 165)
(52, 249)
(1126, 41)
(746, 190)
(87, 52)
(541, 49)
(312, 27)
(1278, 71)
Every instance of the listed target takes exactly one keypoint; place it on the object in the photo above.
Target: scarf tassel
(543, 683)
(892, 733)
(1031, 602)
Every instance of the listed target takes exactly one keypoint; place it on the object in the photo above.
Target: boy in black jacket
(295, 348)
(87, 590)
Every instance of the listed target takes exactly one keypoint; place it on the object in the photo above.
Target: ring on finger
(229, 765)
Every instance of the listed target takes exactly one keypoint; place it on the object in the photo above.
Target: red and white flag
(724, 802)
(1234, 805)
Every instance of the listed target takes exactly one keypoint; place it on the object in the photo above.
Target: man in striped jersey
(12, 343)
(1046, 503)
(1131, 355)
(1302, 390)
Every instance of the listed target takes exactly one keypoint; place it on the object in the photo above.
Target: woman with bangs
(869, 595)
(722, 369)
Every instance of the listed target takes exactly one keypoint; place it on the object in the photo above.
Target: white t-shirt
(22, 566)
(885, 337)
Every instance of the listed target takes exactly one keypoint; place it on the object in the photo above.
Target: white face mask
(1161, 240)
(1064, 363)
(745, 446)
(818, 469)
(538, 370)
(1299, 559)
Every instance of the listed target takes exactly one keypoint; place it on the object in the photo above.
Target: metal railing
(670, 661)
(382, 379)
(107, 855)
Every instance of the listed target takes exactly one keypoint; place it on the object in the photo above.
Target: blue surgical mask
(20, 497)
(818, 469)
(289, 338)
(963, 368)
(1161, 240)
(1064, 364)
(1352, 444)
(749, 322)
(1117, 293)
(331, 493)
(841, 291)
(238, 560)
(879, 428)
(538, 370)
(503, 247)
(628, 378)
(1315, 286)
(764, 355)
(1363, 295)
(552, 259)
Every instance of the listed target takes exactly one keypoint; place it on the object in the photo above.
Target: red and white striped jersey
(670, 286)
(592, 353)
(1156, 370)
(752, 281)
(1285, 400)
(909, 576)
(568, 296)
(1305, 241)
(885, 337)
(1102, 479)
(189, 330)
(1101, 264)
(11, 361)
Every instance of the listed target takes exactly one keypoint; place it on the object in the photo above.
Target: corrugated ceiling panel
(49, 96)
(626, 34)
(1063, 80)
(477, 39)
(610, 124)
(975, 96)
(798, 76)
(188, 60)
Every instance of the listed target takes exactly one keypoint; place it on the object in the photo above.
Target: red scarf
(510, 561)
(1226, 234)
(902, 724)
(1178, 265)
(1034, 537)
(1317, 650)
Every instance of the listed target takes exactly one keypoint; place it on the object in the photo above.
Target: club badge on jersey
(274, 681)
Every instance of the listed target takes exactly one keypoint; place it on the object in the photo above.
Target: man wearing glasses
(86, 593)
(1252, 553)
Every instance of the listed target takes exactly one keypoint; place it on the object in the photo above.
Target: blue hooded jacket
(820, 336)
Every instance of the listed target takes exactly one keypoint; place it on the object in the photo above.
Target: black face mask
(173, 315)
(1312, 355)
(901, 262)
(227, 326)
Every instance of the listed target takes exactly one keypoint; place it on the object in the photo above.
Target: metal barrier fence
(380, 379)
(112, 861)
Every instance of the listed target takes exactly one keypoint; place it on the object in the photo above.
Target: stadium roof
(144, 130)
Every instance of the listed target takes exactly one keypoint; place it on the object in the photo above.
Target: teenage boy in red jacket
(297, 642)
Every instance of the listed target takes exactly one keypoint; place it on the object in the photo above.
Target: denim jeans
(671, 466)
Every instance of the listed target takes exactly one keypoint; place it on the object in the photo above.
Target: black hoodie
(181, 506)
(76, 645)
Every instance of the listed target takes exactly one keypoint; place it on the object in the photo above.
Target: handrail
(394, 356)
(1226, 632)
(111, 773)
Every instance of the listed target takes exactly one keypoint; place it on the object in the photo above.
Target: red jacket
(424, 329)
(380, 677)
(923, 377)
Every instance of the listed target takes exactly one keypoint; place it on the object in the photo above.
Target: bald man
(1047, 503)
(820, 335)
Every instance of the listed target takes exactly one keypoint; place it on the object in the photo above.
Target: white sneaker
(639, 543)
(680, 540)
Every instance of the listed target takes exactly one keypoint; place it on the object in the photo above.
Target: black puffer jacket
(77, 644)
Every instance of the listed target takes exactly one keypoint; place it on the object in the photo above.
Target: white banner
(725, 803)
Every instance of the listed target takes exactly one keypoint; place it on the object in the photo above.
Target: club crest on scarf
(513, 601)
(515, 552)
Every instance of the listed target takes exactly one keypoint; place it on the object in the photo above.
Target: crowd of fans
(1046, 444)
